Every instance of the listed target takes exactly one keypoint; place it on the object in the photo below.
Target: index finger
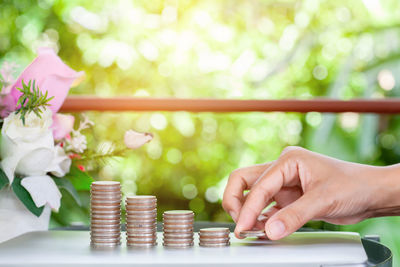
(269, 184)
(240, 180)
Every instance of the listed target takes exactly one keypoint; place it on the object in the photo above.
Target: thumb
(292, 217)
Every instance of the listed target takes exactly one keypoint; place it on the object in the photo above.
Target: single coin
(105, 208)
(214, 230)
(105, 245)
(252, 233)
(94, 197)
(140, 231)
(183, 221)
(178, 230)
(178, 213)
(141, 220)
(139, 235)
(100, 194)
(109, 197)
(138, 204)
(141, 239)
(178, 235)
(214, 245)
(105, 239)
(178, 245)
(140, 225)
(109, 228)
(104, 235)
(106, 183)
(105, 203)
(140, 208)
(141, 198)
(179, 241)
(105, 220)
(102, 216)
(178, 226)
(110, 211)
(209, 237)
(141, 245)
(142, 212)
(216, 240)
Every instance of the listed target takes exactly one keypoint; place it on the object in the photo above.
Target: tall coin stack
(214, 237)
(141, 221)
(178, 228)
(105, 226)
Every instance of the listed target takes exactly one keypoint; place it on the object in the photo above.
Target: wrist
(385, 200)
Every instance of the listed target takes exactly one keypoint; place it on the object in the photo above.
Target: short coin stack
(214, 237)
(178, 228)
(141, 221)
(105, 226)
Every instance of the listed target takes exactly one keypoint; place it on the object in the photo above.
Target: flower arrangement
(40, 151)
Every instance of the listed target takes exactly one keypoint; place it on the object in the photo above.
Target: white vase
(16, 219)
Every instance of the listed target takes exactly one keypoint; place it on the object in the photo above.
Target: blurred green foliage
(221, 49)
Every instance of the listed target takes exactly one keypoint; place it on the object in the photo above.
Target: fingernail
(233, 215)
(276, 229)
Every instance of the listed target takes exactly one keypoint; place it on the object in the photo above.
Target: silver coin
(178, 245)
(142, 235)
(141, 220)
(145, 216)
(94, 205)
(105, 183)
(105, 220)
(252, 233)
(214, 245)
(141, 245)
(105, 235)
(105, 194)
(169, 221)
(105, 216)
(140, 231)
(111, 211)
(215, 240)
(141, 208)
(105, 229)
(179, 241)
(141, 212)
(105, 245)
(213, 230)
(113, 197)
(141, 239)
(95, 239)
(178, 230)
(178, 235)
(184, 226)
(178, 212)
(141, 225)
(140, 204)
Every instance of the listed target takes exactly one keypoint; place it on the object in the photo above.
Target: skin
(309, 186)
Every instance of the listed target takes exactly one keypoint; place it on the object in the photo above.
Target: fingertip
(275, 229)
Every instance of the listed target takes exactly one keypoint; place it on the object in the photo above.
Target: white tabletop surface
(71, 248)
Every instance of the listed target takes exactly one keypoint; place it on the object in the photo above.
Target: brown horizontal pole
(88, 103)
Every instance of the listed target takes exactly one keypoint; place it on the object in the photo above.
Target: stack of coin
(214, 237)
(178, 228)
(105, 226)
(141, 221)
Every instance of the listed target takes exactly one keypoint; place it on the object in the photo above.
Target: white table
(71, 248)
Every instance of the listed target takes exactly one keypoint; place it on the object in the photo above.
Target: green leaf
(79, 179)
(3, 179)
(67, 185)
(25, 197)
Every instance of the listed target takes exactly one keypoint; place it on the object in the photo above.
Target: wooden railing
(88, 103)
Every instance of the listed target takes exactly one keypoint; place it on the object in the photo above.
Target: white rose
(28, 150)
(134, 140)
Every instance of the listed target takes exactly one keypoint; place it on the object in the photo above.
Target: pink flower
(50, 74)
(62, 126)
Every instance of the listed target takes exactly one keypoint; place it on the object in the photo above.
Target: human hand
(309, 186)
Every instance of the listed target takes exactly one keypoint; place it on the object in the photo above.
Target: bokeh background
(220, 49)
